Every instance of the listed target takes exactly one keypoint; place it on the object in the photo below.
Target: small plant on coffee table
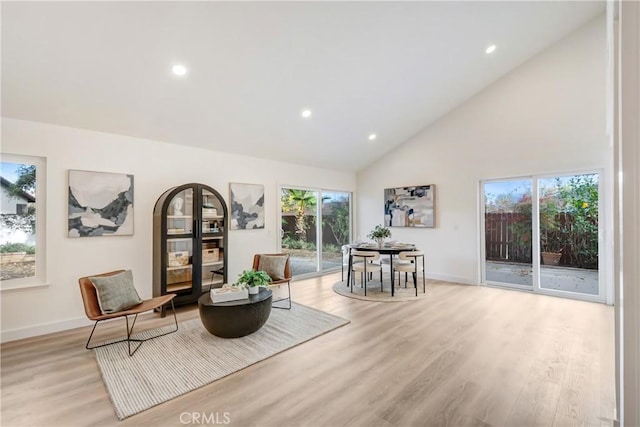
(253, 278)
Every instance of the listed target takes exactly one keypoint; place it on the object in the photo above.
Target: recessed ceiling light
(306, 114)
(372, 136)
(490, 49)
(179, 70)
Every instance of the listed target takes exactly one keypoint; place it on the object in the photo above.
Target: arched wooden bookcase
(190, 225)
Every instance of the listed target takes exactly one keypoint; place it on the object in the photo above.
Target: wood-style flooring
(465, 355)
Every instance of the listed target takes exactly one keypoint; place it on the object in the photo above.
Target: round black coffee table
(233, 319)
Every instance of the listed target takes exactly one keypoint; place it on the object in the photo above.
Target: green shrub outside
(291, 243)
(329, 248)
(17, 247)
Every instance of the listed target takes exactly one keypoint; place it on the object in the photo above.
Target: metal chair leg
(424, 279)
(364, 281)
(284, 299)
(353, 280)
(128, 339)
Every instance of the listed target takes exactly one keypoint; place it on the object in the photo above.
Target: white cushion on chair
(395, 262)
(366, 256)
(409, 261)
(371, 268)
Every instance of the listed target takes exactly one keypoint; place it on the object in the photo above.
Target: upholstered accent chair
(96, 308)
(278, 267)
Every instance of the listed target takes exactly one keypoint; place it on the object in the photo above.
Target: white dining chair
(345, 259)
(385, 262)
(415, 265)
(363, 262)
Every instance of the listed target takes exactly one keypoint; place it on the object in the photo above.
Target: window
(22, 221)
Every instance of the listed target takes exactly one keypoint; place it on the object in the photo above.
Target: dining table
(391, 249)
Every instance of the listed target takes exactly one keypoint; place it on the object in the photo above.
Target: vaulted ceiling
(362, 68)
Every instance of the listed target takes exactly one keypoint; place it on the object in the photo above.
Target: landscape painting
(410, 206)
(100, 204)
(247, 206)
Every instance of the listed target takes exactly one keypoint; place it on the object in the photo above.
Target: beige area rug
(167, 367)
(402, 294)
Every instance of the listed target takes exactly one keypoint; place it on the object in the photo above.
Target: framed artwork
(410, 206)
(100, 204)
(247, 206)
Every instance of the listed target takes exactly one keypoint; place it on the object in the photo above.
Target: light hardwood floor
(464, 355)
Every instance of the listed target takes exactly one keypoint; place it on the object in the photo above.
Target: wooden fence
(506, 237)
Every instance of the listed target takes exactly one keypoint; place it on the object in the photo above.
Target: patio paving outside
(569, 279)
(303, 262)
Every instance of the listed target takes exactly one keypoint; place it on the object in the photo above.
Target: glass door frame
(534, 241)
(535, 233)
(318, 212)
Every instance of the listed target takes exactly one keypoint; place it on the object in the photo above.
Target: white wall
(156, 166)
(546, 116)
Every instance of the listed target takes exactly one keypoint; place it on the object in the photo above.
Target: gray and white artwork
(410, 206)
(247, 206)
(100, 204)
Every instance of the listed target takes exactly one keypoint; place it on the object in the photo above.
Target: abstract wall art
(100, 204)
(247, 206)
(410, 206)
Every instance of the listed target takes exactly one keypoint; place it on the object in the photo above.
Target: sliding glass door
(315, 224)
(548, 243)
(568, 220)
(335, 226)
(507, 222)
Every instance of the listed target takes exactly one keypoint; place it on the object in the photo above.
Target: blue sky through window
(9, 170)
(515, 188)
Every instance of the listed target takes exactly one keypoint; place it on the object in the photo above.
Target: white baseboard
(42, 329)
(447, 278)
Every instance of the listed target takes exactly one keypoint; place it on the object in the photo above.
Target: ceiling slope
(387, 68)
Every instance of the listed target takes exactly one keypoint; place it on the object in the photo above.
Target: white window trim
(40, 278)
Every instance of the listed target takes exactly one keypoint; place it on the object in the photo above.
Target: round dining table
(390, 249)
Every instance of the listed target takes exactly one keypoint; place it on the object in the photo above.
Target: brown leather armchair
(93, 312)
(278, 281)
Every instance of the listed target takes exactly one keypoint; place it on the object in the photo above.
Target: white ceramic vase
(254, 290)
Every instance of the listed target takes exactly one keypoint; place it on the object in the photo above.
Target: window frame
(39, 279)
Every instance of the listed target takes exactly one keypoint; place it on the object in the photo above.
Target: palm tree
(299, 200)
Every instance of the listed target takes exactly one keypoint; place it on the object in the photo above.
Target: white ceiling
(388, 68)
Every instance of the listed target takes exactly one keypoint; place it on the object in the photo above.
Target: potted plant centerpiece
(379, 233)
(253, 279)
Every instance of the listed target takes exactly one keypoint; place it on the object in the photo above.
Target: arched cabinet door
(190, 225)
